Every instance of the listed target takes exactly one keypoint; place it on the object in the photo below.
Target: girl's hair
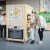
(31, 24)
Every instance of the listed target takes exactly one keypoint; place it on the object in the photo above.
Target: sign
(15, 13)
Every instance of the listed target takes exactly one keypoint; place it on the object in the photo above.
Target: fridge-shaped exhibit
(18, 20)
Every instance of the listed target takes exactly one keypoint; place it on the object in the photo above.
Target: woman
(41, 23)
(3, 25)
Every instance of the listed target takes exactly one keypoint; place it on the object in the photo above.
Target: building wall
(33, 3)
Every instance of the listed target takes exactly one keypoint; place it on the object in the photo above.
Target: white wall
(33, 3)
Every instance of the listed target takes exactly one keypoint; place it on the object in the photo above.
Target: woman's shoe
(40, 42)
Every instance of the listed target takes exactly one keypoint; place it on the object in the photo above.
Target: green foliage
(46, 15)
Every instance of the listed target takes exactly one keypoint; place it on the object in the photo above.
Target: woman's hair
(4, 14)
(35, 12)
(36, 18)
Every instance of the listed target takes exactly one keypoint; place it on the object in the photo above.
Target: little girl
(31, 30)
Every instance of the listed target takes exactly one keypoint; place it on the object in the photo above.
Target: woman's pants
(40, 32)
(1, 29)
